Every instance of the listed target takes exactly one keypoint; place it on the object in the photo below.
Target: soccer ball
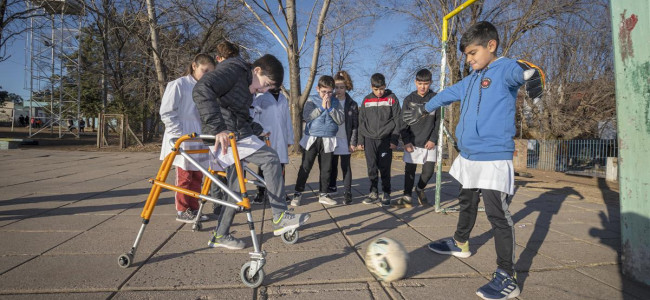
(387, 259)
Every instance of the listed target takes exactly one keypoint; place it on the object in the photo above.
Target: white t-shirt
(420, 155)
(329, 143)
(498, 175)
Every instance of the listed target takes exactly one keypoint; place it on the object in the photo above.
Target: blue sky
(14, 79)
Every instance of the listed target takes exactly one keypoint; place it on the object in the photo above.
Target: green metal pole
(631, 33)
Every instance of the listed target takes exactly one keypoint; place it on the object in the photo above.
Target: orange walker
(251, 272)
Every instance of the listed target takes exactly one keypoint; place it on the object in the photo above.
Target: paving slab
(566, 284)
(56, 296)
(32, 242)
(65, 273)
(353, 290)
(611, 275)
(8, 262)
(203, 294)
(438, 288)
(190, 271)
(66, 225)
(575, 253)
(315, 267)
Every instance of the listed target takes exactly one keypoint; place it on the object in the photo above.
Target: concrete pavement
(65, 216)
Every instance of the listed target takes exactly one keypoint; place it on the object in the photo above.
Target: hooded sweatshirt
(487, 98)
(426, 129)
(380, 117)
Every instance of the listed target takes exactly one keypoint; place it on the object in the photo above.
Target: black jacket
(223, 99)
(351, 111)
(380, 117)
(426, 129)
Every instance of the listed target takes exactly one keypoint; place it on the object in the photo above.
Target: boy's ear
(492, 46)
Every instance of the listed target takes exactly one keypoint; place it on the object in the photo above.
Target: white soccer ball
(387, 259)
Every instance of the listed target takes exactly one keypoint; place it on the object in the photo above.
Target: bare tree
(293, 46)
(14, 16)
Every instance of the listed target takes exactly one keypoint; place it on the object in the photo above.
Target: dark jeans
(409, 176)
(308, 158)
(379, 157)
(496, 208)
(346, 172)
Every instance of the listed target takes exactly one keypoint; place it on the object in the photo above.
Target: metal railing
(588, 157)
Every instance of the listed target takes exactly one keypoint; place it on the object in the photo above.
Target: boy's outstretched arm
(446, 97)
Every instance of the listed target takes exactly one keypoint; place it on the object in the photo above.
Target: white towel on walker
(245, 147)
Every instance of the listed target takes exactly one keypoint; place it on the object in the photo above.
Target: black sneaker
(259, 198)
(385, 199)
(332, 191)
(347, 198)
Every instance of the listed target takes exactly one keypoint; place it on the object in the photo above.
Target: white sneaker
(296, 199)
(325, 199)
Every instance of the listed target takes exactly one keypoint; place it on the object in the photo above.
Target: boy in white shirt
(271, 110)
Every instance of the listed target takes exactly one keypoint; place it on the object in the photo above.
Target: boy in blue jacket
(485, 131)
(322, 115)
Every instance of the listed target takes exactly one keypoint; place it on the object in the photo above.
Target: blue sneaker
(501, 287)
(451, 247)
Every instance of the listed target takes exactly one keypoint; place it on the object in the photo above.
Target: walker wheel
(290, 237)
(251, 282)
(125, 260)
(197, 227)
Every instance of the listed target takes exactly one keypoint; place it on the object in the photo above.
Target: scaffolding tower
(53, 63)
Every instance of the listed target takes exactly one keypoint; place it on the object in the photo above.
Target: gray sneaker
(185, 216)
(226, 241)
(385, 199)
(325, 199)
(288, 221)
(296, 199)
(422, 197)
(405, 201)
(372, 198)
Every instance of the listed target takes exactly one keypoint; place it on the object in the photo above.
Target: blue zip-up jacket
(487, 110)
(322, 122)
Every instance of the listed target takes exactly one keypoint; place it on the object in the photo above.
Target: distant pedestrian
(82, 125)
(21, 120)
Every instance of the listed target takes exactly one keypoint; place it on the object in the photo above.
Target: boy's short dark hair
(479, 34)
(326, 81)
(423, 75)
(377, 80)
(271, 67)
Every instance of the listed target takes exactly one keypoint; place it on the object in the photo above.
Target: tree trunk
(153, 26)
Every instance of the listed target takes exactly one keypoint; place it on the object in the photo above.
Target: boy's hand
(409, 147)
(429, 145)
(393, 146)
(360, 148)
(414, 114)
(221, 140)
(535, 79)
(327, 103)
(352, 148)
